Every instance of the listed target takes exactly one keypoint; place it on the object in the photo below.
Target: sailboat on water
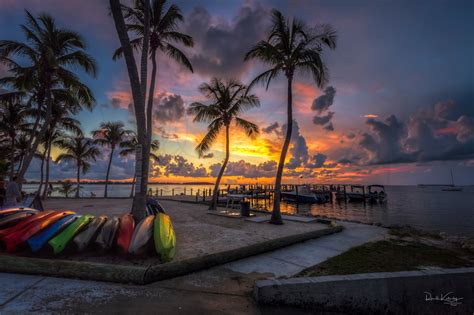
(452, 187)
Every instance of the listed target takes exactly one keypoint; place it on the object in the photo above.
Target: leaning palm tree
(47, 60)
(80, 151)
(110, 134)
(153, 29)
(228, 100)
(291, 47)
(163, 36)
(128, 147)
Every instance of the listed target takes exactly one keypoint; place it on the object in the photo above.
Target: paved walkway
(225, 289)
(291, 260)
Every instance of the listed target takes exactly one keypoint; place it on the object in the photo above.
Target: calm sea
(427, 208)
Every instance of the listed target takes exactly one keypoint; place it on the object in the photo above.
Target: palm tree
(110, 134)
(228, 100)
(80, 151)
(290, 47)
(66, 188)
(129, 147)
(13, 120)
(52, 55)
(155, 28)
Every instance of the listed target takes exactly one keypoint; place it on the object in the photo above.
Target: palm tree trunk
(139, 200)
(12, 159)
(78, 178)
(34, 146)
(41, 173)
(108, 172)
(133, 186)
(276, 214)
(46, 184)
(213, 205)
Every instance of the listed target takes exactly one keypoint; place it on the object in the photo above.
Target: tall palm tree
(154, 28)
(13, 120)
(52, 54)
(289, 48)
(163, 35)
(128, 147)
(110, 134)
(228, 100)
(80, 151)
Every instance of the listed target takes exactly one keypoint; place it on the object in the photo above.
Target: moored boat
(164, 237)
(303, 194)
(86, 236)
(60, 241)
(125, 232)
(142, 236)
(106, 238)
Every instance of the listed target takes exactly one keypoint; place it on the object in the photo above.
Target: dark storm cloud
(323, 102)
(317, 161)
(321, 105)
(168, 108)
(180, 166)
(246, 169)
(221, 45)
(299, 148)
(270, 128)
(431, 134)
(322, 120)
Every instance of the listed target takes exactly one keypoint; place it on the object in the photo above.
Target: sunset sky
(398, 109)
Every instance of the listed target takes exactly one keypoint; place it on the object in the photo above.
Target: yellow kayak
(165, 237)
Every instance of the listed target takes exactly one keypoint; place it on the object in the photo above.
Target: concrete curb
(406, 292)
(146, 274)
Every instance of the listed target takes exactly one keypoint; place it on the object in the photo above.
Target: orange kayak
(125, 232)
(14, 239)
(25, 223)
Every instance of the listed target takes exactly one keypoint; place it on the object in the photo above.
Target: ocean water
(427, 208)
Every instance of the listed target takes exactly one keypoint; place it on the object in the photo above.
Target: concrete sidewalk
(223, 289)
(288, 261)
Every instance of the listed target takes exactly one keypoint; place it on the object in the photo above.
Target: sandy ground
(197, 232)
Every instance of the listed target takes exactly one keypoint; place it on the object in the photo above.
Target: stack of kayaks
(60, 231)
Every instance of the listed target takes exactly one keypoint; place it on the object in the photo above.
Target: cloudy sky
(398, 109)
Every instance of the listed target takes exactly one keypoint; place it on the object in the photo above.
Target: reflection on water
(427, 208)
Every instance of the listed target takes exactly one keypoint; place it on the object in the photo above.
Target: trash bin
(245, 208)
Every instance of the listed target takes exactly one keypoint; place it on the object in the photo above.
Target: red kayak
(14, 239)
(25, 223)
(125, 232)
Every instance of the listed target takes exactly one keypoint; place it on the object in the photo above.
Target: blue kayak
(36, 242)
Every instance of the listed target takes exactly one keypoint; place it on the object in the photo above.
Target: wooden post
(197, 196)
(204, 195)
(161, 192)
(191, 191)
(172, 192)
(185, 191)
(296, 190)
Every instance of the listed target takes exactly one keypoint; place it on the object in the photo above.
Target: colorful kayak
(25, 223)
(15, 239)
(125, 232)
(10, 211)
(165, 237)
(38, 241)
(60, 241)
(84, 238)
(142, 236)
(107, 236)
(13, 219)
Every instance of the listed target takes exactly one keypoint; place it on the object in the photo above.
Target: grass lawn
(386, 256)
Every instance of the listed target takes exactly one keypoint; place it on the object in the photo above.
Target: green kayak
(164, 236)
(59, 242)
